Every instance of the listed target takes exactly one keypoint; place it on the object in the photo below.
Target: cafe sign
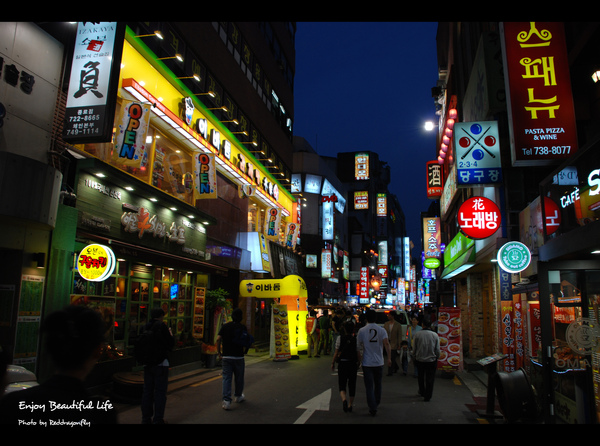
(514, 257)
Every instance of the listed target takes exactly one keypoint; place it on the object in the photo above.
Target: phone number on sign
(554, 150)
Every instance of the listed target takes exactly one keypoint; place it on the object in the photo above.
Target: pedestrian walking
(346, 355)
(412, 330)
(371, 340)
(394, 332)
(312, 334)
(404, 357)
(426, 352)
(232, 352)
(324, 323)
(74, 339)
(336, 324)
(156, 370)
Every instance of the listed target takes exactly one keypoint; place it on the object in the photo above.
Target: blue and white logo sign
(477, 152)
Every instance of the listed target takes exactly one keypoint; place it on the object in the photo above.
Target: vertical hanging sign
(272, 222)
(435, 185)
(540, 99)
(432, 237)
(361, 166)
(93, 82)
(130, 138)
(205, 176)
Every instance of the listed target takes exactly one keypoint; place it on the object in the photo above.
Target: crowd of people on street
(356, 342)
(75, 337)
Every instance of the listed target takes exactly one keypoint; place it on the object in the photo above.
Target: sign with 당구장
(477, 153)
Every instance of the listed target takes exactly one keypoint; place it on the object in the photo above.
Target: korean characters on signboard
(539, 95)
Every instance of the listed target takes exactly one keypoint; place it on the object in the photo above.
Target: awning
(464, 262)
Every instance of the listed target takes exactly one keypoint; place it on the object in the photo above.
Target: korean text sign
(91, 97)
(479, 217)
(540, 100)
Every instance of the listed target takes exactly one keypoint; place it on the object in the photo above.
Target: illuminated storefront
(289, 312)
(178, 199)
(569, 288)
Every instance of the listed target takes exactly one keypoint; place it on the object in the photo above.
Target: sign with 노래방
(479, 217)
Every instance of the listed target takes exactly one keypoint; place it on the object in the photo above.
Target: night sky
(367, 86)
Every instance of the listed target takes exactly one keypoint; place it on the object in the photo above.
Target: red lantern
(479, 217)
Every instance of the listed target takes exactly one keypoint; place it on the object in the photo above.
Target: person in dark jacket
(74, 339)
(346, 354)
(232, 355)
(156, 376)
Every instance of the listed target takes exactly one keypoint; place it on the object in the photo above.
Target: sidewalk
(476, 379)
(128, 387)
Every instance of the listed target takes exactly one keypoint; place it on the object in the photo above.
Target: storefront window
(137, 166)
(172, 169)
(175, 298)
(253, 218)
(575, 298)
(161, 163)
(571, 193)
(129, 295)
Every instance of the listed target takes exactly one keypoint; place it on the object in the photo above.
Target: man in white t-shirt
(371, 340)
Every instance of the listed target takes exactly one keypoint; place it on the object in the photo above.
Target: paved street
(305, 391)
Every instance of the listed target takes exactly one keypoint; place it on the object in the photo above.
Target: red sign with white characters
(479, 217)
(552, 215)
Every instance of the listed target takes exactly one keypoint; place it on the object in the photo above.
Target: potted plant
(216, 306)
(209, 353)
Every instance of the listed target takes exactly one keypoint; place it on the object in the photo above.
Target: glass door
(574, 301)
(139, 306)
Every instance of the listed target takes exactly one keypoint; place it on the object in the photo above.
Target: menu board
(450, 333)
(199, 301)
(281, 332)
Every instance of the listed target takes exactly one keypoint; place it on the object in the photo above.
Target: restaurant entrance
(570, 310)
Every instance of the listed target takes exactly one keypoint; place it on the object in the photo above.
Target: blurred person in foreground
(74, 339)
(156, 373)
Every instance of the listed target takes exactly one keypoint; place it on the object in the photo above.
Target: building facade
(518, 123)
(164, 160)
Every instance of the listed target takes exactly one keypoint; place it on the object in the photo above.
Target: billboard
(539, 99)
